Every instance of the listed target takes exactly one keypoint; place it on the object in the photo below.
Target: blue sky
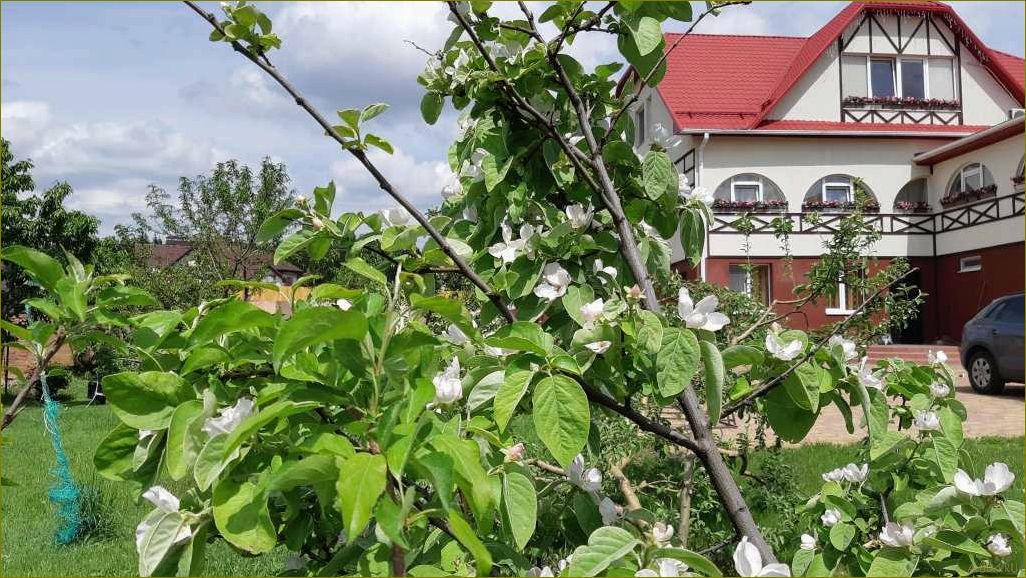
(115, 96)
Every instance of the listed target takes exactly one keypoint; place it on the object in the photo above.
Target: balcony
(898, 110)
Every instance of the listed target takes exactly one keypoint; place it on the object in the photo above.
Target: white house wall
(816, 96)
(984, 100)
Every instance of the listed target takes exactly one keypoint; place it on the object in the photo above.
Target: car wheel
(983, 373)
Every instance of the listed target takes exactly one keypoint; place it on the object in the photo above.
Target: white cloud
(23, 118)
(419, 181)
(247, 90)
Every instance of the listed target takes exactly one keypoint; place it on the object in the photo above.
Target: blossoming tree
(368, 443)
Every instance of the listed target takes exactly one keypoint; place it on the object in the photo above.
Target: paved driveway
(988, 415)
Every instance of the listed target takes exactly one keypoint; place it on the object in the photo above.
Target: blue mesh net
(64, 493)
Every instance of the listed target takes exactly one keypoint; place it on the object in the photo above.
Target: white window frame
(977, 168)
(757, 184)
(827, 183)
(926, 75)
(967, 264)
(894, 73)
(842, 300)
(896, 70)
(748, 278)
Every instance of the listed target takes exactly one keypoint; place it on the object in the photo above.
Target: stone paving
(988, 415)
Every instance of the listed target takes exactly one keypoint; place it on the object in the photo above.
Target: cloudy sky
(115, 96)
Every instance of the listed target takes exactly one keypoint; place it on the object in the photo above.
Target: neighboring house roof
(988, 136)
(719, 81)
(173, 253)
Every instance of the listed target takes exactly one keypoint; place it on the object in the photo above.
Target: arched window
(749, 192)
(837, 193)
(970, 183)
(912, 198)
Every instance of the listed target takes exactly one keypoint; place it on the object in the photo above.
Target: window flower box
(968, 196)
(1017, 180)
(839, 206)
(725, 206)
(901, 102)
(910, 207)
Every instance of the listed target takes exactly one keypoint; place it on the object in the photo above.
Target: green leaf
(739, 355)
(316, 325)
(361, 482)
(883, 444)
(241, 515)
(694, 560)
(650, 331)
(802, 385)
(229, 317)
(956, 542)
(692, 234)
(575, 297)
(144, 400)
(380, 142)
(277, 223)
(468, 538)
(841, 535)
(801, 561)
(324, 198)
(350, 116)
(605, 546)
(372, 110)
(253, 423)
(293, 243)
(309, 471)
(182, 438)
(945, 455)
(124, 296)
(471, 475)
(789, 421)
(113, 457)
(204, 357)
(561, 417)
(40, 267)
(512, 390)
(210, 462)
(647, 35)
(522, 336)
(893, 562)
(657, 174)
(158, 539)
(366, 270)
(431, 107)
(714, 374)
(520, 503)
(676, 361)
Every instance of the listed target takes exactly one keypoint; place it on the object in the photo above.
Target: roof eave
(975, 141)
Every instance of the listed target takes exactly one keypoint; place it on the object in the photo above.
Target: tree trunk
(684, 524)
(12, 410)
(719, 473)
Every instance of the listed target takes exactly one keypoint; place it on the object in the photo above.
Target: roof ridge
(787, 36)
(1009, 54)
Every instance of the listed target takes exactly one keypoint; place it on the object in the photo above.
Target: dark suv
(992, 345)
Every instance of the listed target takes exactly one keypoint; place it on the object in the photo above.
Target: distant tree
(219, 214)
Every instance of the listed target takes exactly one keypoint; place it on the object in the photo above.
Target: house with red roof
(901, 95)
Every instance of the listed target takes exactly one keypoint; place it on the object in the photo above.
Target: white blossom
(610, 511)
(926, 421)
(164, 500)
(599, 347)
(394, 217)
(599, 267)
(897, 535)
(662, 534)
(470, 213)
(748, 562)
(936, 357)
(538, 572)
(808, 542)
(589, 480)
(554, 282)
(580, 218)
(229, 418)
(528, 231)
(508, 249)
(448, 385)
(848, 347)
(939, 389)
(831, 517)
(665, 568)
(564, 562)
(664, 137)
(452, 188)
(996, 479)
(701, 195)
(780, 350)
(455, 335)
(868, 379)
(834, 475)
(634, 293)
(683, 186)
(998, 545)
(343, 304)
(464, 10)
(854, 473)
(591, 312)
(497, 351)
(703, 315)
(300, 200)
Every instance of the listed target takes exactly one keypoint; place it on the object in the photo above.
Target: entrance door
(913, 332)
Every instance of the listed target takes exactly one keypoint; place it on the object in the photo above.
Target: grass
(28, 523)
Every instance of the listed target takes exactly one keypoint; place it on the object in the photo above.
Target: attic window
(881, 77)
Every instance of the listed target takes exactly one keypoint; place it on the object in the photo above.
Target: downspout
(701, 182)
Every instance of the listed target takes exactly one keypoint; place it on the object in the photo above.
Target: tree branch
(764, 388)
(629, 495)
(361, 156)
(41, 365)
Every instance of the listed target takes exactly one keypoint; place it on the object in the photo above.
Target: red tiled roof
(723, 82)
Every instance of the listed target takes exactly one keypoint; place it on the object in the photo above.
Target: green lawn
(28, 523)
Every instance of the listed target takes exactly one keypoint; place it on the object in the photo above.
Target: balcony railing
(901, 115)
(953, 219)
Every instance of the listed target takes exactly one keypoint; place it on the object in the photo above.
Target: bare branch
(361, 156)
(37, 371)
(629, 495)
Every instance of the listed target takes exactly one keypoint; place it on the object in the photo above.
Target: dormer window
(881, 78)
